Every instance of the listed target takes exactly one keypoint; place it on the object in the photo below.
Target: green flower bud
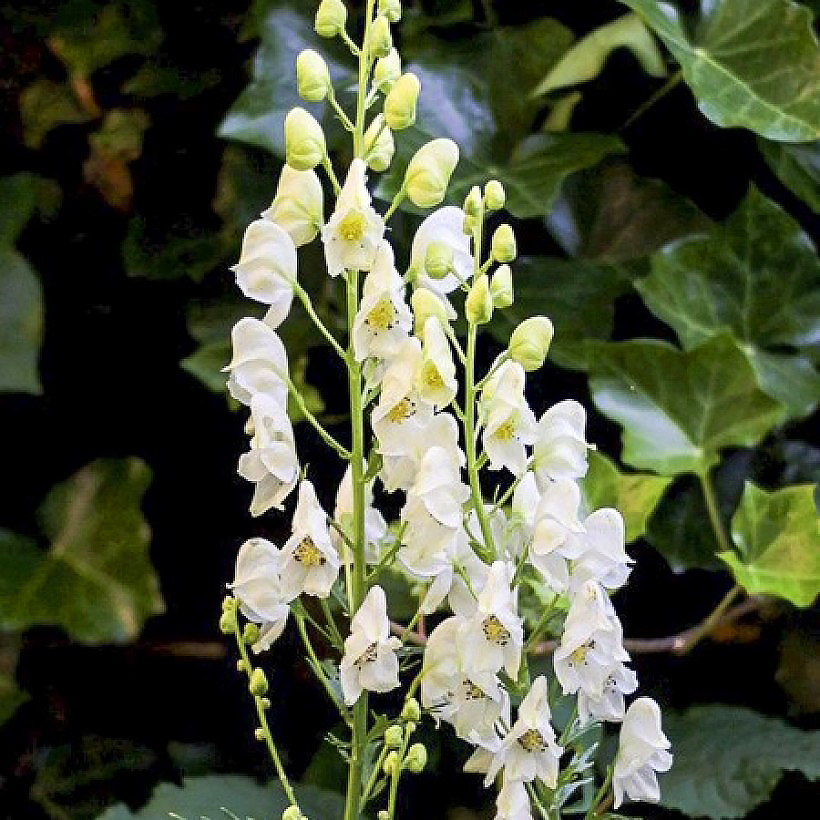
(400, 103)
(410, 727)
(379, 145)
(229, 604)
(472, 203)
(250, 634)
(416, 758)
(304, 140)
(411, 710)
(331, 17)
(391, 9)
(258, 684)
(242, 666)
(393, 737)
(429, 171)
(503, 244)
(438, 261)
(383, 814)
(226, 622)
(530, 342)
(425, 304)
(387, 71)
(292, 813)
(312, 76)
(259, 734)
(501, 287)
(265, 703)
(494, 195)
(469, 225)
(390, 763)
(380, 42)
(478, 306)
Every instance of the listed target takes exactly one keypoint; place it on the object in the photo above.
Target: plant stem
(305, 299)
(364, 74)
(713, 510)
(707, 625)
(671, 83)
(314, 422)
(317, 668)
(597, 807)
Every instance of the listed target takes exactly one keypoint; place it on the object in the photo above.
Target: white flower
(560, 449)
(310, 562)
(267, 267)
(354, 231)
(271, 463)
(599, 552)
(437, 375)
(609, 705)
(298, 206)
(369, 660)
(513, 802)
(642, 751)
(529, 750)
(383, 320)
(375, 527)
(444, 226)
(259, 363)
(257, 588)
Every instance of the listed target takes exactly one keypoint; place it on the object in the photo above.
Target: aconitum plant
(498, 572)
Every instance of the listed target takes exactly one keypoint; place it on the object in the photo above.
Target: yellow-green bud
(429, 171)
(416, 758)
(264, 703)
(381, 42)
(226, 622)
(494, 195)
(530, 342)
(250, 634)
(425, 304)
(411, 710)
(503, 245)
(259, 734)
(379, 145)
(469, 225)
(258, 684)
(304, 140)
(292, 813)
(391, 9)
(400, 103)
(478, 306)
(387, 71)
(410, 727)
(393, 737)
(390, 763)
(312, 76)
(331, 17)
(438, 261)
(242, 666)
(229, 604)
(501, 287)
(383, 814)
(472, 202)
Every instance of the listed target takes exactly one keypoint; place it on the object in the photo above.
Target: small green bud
(379, 145)
(304, 140)
(387, 71)
(383, 814)
(501, 287)
(425, 304)
(331, 17)
(469, 225)
(226, 622)
(312, 76)
(416, 758)
(410, 727)
(438, 261)
(393, 737)
(292, 813)
(390, 763)
(472, 203)
(258, 684)
(259, 734)
(478, 306)
(229, 604)
(400, 103)
(530, 342)
(503, 245)
(429, 171)
(251, 632)
(242, 666)
(411, 710)
(381, 42)
(391, 9)
(494, 195)
(265, 703)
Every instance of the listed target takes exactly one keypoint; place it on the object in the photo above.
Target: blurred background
(139, 138)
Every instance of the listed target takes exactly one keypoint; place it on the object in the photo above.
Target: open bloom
(354, 231)
(298, 206)
(369, 660)
(375, 527)
(642, 751)
(437, 375)
(445, 227)
(513, 802)
(560, 449)
(599, 552)
(259, 363)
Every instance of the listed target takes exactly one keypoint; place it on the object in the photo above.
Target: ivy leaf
(44, 105)
(634, 495)
(96, 579)
(10, 696)
(797, 166)
(750, 63)
(728, 760)
(217, 797)
(777, 536)
(679, 409)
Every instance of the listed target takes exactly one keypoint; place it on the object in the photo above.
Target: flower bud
(411, 710)
(292, 813)
(503, 244)
(304, 140)
(478, 306)
(383, 814)
(472, 203)
(242, 666)
(438, 261)
(226, 622)
(469, 225)
(429, 171)
(391, 9)
(331, 17)
(312, 76)
(387, 71)
(393, 737)
(425, 304)
(400, 103)
(416, 758)
(530, 342)
(264, 703)
(501, 287)
(390, 763)
(379, 145)
(229, 604)
(259, 734)
(258, 684)
(250, 634)
(494, 195)
(410, 727)
(380, 42)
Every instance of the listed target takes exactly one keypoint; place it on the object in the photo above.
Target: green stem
(374, 775)
(707, 625)
(331, 624)
(713, 510)
(315, 423)
(328, 166)
(306, 301)
(317, 668)
(340, 113)
(596, 803)
(397, 200)
(395, 775)
(364, 74)
(671, 83)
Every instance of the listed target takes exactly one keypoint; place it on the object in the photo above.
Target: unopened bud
(292, 813)
(387, 71)
(331, 17)
(242, 666)
(425, 304)
(312, 76)
(390, 763)
(304, 140)
(258, 685)
(501, 287)
(472, 202)
(410, 727)
(411, 710)
(503, 245)
(494, 195)
(264, 703)
(478, 306)
(416, 758)
(259, 734)
(250, 634)
(429, 171)
(400, 103)
(530, 342)
(383, 814)
(391, 9)
(229, 604)
(393, 737)
(469, 225)
(379, 145)
(380, 42)
(438, 261)
(227, 620)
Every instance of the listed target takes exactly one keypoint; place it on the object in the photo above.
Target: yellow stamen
(494, 631)
(351, 226)
(307, 553)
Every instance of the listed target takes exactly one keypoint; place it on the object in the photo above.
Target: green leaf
(10, 696)
(45, 105)
(750, 63)
(634, 495)
(679, 409)
(96, 579)
(728, 760)
(797, 166)
(777, 536)
(215, 796)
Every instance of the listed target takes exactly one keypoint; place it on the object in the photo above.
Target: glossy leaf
(797, 166)
(96, 579)
(44, 105)
(10, 696)
(777, 536)
(680, 409)
(728, 760)
(750, 63)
